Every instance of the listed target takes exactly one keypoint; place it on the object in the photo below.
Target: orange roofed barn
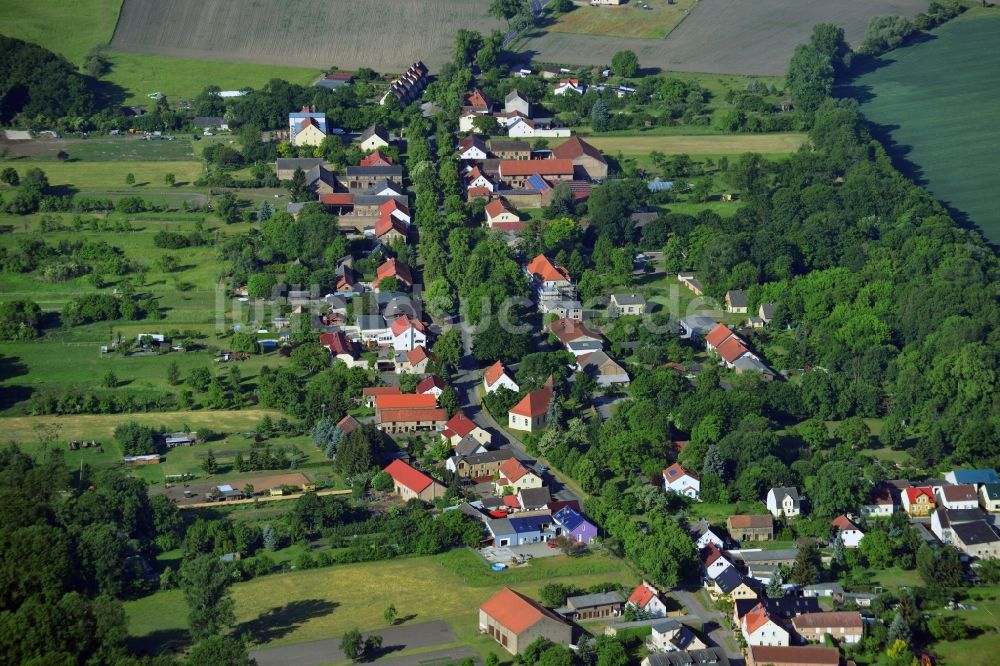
(410, 483)
(514, 621)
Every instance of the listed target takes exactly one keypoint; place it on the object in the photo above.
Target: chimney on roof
(308, 109)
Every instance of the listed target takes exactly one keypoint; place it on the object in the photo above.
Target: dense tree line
(39, 85)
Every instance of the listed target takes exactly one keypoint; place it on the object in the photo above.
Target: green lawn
(930, 100)
(326, 602)
(101, 175)
(71, 29)
(981, 650)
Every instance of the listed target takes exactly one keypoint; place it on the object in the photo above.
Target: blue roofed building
(574, 526)
(976, 477)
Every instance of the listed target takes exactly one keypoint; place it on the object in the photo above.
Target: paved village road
(719, 634)
(327, 651)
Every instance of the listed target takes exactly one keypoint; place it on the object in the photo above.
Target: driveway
(394, 639)
(719, 634)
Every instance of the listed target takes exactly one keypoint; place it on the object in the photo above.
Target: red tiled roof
(393, 268)
(544, 270)
(348, 424)
(494, 373)
(417, 354)
(381, 390)
(376, 158)
(511, 501)
(534, 404)
(496, 207)
(731, 349)
(405, 401)
(405, 475)
(709, 554)
(392, 206)
(460, 424)
(576, 147)
(568, 330)
(512, 469)
(429, 382)
(795, 654)
(337, 343)
(677, 471)
(717, 335)
(337, 199)
(555, 167)
(477, 98)
(843, 523)
(642, 595)
(847, 619)
(400, 324)
(913, 493)
(750, 522)
(387, 223)
(756, 618)
(410, 415)
(479, 192)
(516, 612)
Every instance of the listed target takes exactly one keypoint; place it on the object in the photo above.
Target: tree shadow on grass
(160, 642)
(282, 620)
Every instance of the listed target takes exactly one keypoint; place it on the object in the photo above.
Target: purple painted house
(574, 525)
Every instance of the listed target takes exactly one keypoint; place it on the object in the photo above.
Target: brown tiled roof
(750, 522)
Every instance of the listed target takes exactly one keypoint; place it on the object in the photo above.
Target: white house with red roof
(340, 346)
(677, 479)
(647, 598)
(396, 210)
(499, 215)
(496, 376)
(713, 560)
(409, 483)
(390, 229)
(570, 86)
(460, 426)
(758, 628)
(472, 148)
(515, 474)
(477, 181)
(407, 333)
(415, 361)
(848, 532)
(431, 384)
(547, 275)
(532, 412)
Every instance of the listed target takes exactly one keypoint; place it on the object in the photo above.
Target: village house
(588, 162)
(766, 312)
(408, 412)
(496, 376)
(514, 621)
(678, 480)
(918, 501)
(467, 446)
(758, 628)
(516, 102)
(736, 301)
(593, 606)
(647, 598)
(772, 558)
(977, 539)
(478, 465)
(976, 477)
(525, 128)
(510, 150)
(389, 230)
(731, 584)
(373, 330)
(339, 346)
(285, 166)
(409, 483)
(569, 331)
(372, 139)
(713, 561)
(394, 268)
(499, 215)
(882, 502)
(460, 426)
(209, 122)
(704, 533)
(392, 208)
(672, 636)
(943, 520)
(771, 655)
(407, 334)
(848, 532)
(516, 173)
(621, 305)
(477, 184)
(784, 502)
(574, 526)
(535, 499)
(513, 474)
(360, 179)
(348, 424)
(844, 626)
(691, 283)
(532, 412)
(376, 159)
(307, 128)
(708, 657)
(570, 86)
(413, 361)
(751, 528)
(605, 370)
(472, 148)
(958, 497)
(989, 497)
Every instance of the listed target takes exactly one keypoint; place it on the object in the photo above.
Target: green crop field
(448, 587)
(106, 174)
(933, 101)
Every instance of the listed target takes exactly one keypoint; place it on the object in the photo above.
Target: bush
(135, 438)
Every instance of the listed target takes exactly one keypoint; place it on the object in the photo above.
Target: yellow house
(309, 134)
(918, 501)
(513, 474)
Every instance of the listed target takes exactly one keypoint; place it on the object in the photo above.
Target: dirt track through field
(386, 35)
(730, 36)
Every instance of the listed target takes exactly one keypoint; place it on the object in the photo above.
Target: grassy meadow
(628, 20)
(929, 101)
(448, 587)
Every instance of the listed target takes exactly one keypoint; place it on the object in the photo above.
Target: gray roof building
(707, 657)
